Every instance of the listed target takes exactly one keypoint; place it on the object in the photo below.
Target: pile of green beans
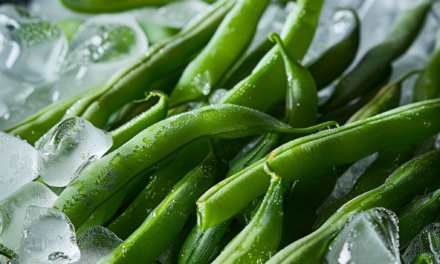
(241, 180)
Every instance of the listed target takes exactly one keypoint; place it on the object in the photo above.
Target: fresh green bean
(267, 84)
(305, 156)
(260, 239)
(233, 231)
(155, 114)
(369, 70)
(228, 44)
(406, 182)
(166, 221)
(422, 258)
(160, 184)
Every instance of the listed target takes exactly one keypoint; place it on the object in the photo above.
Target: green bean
(305, 156)
(369, 70)
(414, 217)
(142, 121)
(428, 84)
(161, 183)
(422, 258)
(334, 61)
(228, 44)
(374, 176)
(233, 231)
(260, 239)
(106, 6)
(167, 220)
(102, 179)
(406, 182)
(266, 86)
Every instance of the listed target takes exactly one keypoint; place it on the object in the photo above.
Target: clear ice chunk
(18, 164)
(426, 242)
(31, 49)
(346, 182)
(371, 236)
(67, 146)
(95, 243)
(13, 210)
(48, 237)
(102, 45)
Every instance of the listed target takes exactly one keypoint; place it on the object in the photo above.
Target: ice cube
(102, 45)
(425, 242)
(369, 237)
(173, 15)
(346, 182)
(18, 164)
(48, 237)
(95, 243)
(217, 95)
(67, 146)
(13, 210)
(31, 49)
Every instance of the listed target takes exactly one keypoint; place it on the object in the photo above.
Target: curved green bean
(423, 258)
(305, 156)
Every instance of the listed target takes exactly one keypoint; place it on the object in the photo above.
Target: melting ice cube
(369, 237)
(18, 164)
(13, 210)
(67, 146)
(31, 49)
(102, 45)
(48, 237)
(95, 243)
(428, 241)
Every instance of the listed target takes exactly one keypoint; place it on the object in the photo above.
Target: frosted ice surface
(95, 243)
(18, 164)
(13, 210)
(346, 182)
(217, 96)
(48, 236)
(67, 146)
(103, 45)
(368, 237)
(31, 49)
(425, 242)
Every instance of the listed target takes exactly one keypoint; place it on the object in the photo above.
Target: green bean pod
(102, 179)
(386, 99)
(414, 217)
(109, 6)
(422, 258)
(167, 220)
(409, 180)
(374, 176)
(369, 70)
(267, 84)
(334, 61)
(226, 47)
(428, 85)
(163, 59)
(232, 232)
(260, 239)
(161, 183)
(301, 158)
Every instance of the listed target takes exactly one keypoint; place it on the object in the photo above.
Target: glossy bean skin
(160, 184)
(376, 174)
(301, 158)
(167, 220)
(105, 6)
(369, 70)
(423, 258)
(260, 239)
(150, 117)
(414, 217)
(267, 84)
(334, 61)
(406, 182)
(227, 46)
(102, 179)
(427, 86)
